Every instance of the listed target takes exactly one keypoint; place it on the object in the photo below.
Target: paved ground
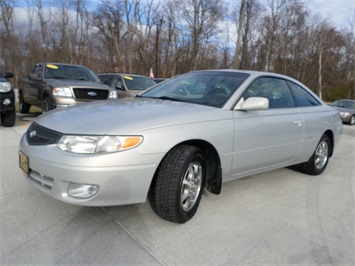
(279, 218)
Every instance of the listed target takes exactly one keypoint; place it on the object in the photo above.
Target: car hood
(126, 116)
(76, 83)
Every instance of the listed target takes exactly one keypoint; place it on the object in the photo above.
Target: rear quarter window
(302, 97)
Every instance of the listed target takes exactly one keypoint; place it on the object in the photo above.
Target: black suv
(7, 101)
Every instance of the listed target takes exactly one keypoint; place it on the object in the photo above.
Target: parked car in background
(53, 85)
(189, 133)
(7, 101)
(127, 85)
(346, 110)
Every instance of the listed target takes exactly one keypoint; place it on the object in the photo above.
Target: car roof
(123, 74)
(59, 64)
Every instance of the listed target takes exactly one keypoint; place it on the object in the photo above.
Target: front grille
(38, 135)
(90, 94)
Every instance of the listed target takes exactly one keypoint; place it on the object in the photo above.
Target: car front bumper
(122, 178)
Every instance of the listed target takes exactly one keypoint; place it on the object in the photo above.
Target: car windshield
(344, 104)
(138, 83)
(212, 88)
(70, 72)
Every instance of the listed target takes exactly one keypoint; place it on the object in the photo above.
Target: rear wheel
(319, 160)
(23, 106)
(8, 118)
(46, 105)
(179, 184)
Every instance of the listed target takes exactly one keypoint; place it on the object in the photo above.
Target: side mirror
(33, 76)
(9, 75)
(253, 104)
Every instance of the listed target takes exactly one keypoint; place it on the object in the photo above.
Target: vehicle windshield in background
(70, 72)
(344, 104)
(138, 83)
(212, 88)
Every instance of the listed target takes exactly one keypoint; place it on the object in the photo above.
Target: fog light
(82, 191)
(6, 102)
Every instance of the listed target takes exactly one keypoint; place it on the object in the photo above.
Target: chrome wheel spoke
(321, 155)
(191, 186)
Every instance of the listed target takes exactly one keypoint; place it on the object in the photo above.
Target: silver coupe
(188, 134)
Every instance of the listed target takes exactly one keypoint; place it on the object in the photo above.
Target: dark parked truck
(7, 101)
(53, 85)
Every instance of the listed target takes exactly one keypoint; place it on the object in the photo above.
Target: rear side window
(302, 97)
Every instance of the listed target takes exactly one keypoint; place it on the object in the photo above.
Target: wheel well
(330, 134)
(213, 182)
(44, 95)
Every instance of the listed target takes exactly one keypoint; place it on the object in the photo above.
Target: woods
(176, 36)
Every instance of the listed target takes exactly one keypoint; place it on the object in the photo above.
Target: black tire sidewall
(8, 119)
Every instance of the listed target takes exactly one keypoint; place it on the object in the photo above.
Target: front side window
(302, 97)
(108, 80)
(37, 71)
(274, 89)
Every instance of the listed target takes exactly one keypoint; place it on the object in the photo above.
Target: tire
(352, 120)
(23, 106)
(319, 160)
(8, 118)
(46, 105)
(177, 191)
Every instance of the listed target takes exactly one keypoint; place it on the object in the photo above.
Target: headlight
(113, 95)
(344, 114)
(5, 87)
(66, 92)
(98, 144)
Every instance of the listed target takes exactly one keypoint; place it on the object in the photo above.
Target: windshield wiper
(169, 98)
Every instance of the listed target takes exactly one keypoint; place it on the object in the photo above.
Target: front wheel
(179, 184)
(8, 118)
(319, 160)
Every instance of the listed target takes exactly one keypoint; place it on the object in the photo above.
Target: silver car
(187, 134)
(346, 110)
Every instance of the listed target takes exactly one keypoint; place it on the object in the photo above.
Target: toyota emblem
(33, 134)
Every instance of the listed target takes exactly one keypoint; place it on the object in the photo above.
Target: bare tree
(8, 41)
(108, 20)
(44, 19)
(202, 18)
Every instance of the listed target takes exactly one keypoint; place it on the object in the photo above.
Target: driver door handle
(298, 123)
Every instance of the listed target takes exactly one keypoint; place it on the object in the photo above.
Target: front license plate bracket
(23, 161)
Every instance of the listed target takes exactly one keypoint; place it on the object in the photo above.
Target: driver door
(266, 138)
